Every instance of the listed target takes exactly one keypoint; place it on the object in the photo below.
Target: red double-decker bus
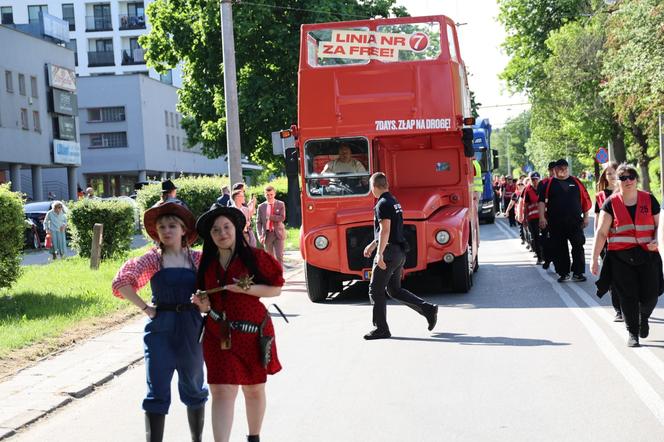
(387, 95)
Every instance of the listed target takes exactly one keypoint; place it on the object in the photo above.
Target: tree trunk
(643, 158)
(619, 145)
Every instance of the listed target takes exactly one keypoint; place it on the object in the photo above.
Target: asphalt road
(520, 358)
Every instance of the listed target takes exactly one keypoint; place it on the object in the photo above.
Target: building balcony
(132, 21)
(135, 56)
(95, 23)
(101, 58)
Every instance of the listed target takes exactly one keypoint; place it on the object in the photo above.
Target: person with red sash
(566, 203)
(530, 200)
(606, 185)
(508, 196)
(547, 251)
(628, 222)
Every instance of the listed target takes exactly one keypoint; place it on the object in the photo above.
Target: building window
(178, 141)
(35, 121)
(21, 84)
(173, 141)
(33, 12)
(106, 114)
(177, 120)
(68, 15)
(101, 18)
(167, 77)
(34, 93)
(9, 81)
(168, 142)
(6, 15)
(166, 117)
(24, 119)
(71, 44)
(108, 139)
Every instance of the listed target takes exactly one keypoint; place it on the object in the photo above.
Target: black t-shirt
(388, 207)
(608, 208)
(608, 193)
(564, 200)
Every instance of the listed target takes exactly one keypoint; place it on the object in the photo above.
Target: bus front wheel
(317, 283)
(462, 275)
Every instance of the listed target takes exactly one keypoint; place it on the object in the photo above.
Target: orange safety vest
(532, 211)
(626, 233)
(510, 188)
(519, 207)
(600, 198)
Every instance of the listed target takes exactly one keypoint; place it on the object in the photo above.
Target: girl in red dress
(238, 341)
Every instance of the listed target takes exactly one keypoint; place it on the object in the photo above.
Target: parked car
(32, 240)
(36, 211)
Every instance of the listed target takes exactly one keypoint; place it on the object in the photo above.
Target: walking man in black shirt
(564, 205)
(391, 248)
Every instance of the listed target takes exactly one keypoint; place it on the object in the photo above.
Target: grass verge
(292, 238)
(54, 305)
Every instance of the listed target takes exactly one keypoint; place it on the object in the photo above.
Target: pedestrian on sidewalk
(606, 185)
(531, 199)
(55, 224)
(238, 201)
(547, 249)
(238, 340)
(391, 248)
(564, 207)
(225, 198)
(270, 224)
(632, 267)
(173, 325)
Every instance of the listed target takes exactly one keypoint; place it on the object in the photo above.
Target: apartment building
(130, 131)
(38, 113)
(103, 34)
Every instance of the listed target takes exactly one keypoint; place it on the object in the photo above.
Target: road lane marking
(641, 386)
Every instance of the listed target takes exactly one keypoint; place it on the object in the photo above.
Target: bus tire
(462, 276)
(317, 283)
(491, 218)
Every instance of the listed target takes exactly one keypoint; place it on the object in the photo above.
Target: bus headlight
(442, 237)
(321, 242)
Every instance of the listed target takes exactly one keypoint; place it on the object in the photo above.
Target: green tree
(510, 141)
(528, 24)
(474, 105)
(634, 75)
(267, 34)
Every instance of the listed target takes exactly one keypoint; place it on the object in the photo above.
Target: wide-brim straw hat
(171, 207)
(205, 221)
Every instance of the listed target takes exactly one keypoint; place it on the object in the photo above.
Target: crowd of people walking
(552, 213)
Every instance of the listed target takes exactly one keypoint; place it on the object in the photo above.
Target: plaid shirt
(138, 271)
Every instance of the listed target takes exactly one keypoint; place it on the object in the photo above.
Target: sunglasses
(631, 177)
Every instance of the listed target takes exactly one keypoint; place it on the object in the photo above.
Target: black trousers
(637, 287)
(535, 238)
(562, 232)
(389, 280)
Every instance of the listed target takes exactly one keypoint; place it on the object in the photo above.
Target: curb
(49, 385)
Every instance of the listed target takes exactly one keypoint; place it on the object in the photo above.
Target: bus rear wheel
(317, 283)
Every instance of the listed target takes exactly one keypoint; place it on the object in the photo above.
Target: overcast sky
(480, 37)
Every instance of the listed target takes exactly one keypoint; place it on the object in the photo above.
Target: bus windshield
(337, 167)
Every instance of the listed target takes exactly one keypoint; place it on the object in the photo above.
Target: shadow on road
(463, 339)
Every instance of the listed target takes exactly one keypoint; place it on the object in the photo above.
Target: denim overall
(171, 343)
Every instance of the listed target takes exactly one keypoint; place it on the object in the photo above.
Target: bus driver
(344, 162)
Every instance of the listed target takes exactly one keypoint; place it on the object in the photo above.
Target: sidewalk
(36, 391)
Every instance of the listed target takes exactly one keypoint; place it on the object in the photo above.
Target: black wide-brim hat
(173, 207)
(205, 221)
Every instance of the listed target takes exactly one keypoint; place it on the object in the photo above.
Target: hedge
(199, 193)
(12, 232)
(117, 218)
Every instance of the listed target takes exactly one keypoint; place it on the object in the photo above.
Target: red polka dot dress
(241, 364)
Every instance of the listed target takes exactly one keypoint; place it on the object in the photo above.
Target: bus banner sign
(369, 45)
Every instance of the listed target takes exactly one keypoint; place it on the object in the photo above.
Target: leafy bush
(12, 230)
(117, 218)
(280, 185)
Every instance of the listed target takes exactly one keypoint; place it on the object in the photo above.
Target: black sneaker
(564, 278)
(633, 341)
(644, 328)
(377, 334)
(578, 278)
(619, 317)
(432, 316)
(546, 265)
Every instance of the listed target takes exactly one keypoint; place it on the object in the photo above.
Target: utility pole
(661, 154)
(230, 94)
(507, 151)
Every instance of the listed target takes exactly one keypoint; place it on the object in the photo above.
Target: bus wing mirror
(496, 162)
(467, 137)
(292, 161)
